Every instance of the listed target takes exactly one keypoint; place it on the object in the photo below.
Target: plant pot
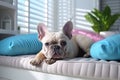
(108, 33)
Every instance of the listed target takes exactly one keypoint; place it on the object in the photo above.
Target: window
(81, 8)
(23, 15)
(54, 13)
(65, 12)
(33, 12)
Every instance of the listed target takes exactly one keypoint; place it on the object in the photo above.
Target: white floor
(8, 73)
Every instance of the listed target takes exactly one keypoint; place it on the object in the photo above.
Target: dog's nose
(56, 47)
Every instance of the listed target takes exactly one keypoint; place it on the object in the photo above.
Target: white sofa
(19, 68)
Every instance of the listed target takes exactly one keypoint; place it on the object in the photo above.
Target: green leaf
(92, 19)
(101, 20)
(97, 13)
(96, 28)
(113, 19)
(106, 15)
(107, 11)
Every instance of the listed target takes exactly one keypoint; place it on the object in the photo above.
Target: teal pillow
(107, 49)
(23, 44)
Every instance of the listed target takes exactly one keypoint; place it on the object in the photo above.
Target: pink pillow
(92, 35)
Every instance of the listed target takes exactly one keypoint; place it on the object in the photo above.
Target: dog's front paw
(36, 62)
(50, 61)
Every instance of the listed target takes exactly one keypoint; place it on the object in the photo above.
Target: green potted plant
(101, 20)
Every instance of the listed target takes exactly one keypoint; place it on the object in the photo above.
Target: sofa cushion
(107, 49)
(23, 44)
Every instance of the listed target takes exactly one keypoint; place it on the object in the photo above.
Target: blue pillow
(107, 49)
(23, 44)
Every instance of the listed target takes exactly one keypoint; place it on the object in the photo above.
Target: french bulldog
(61, 44)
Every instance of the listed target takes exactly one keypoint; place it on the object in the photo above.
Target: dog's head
(55, 44)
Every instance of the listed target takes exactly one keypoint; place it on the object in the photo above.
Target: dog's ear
(67, 29)
(42, 30)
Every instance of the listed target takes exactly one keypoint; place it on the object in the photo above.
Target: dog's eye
(47, 44)
(63, 43)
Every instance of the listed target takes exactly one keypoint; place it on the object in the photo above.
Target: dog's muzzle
(57, 51)
(55, 48)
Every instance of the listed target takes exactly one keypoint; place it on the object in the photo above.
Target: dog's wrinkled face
(55, 44)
